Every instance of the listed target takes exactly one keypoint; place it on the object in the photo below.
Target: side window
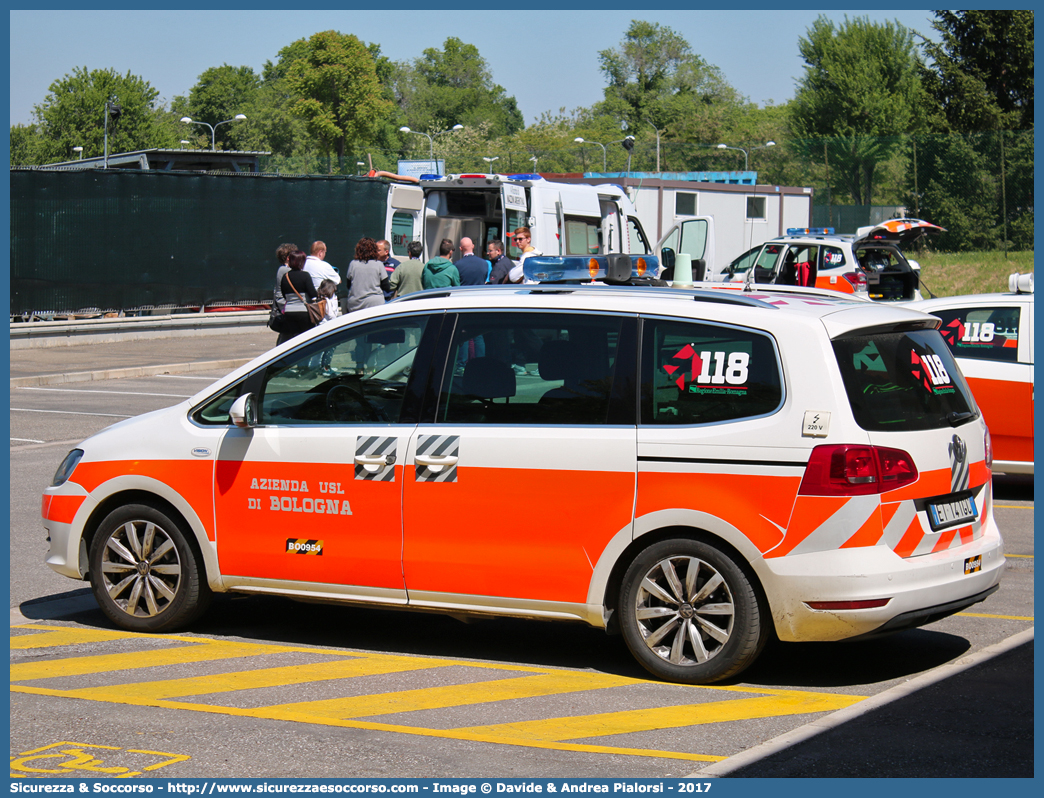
(696, 373)
(833, 257)
(530, 368)
(355, 376)
(515, 220)
(401, 232)
(636, 237)
(765, 265)
(982, 333)
(685, 203)
(756, 209)
(582, 236)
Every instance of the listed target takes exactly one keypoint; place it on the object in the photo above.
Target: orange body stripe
(841, 285)
(61, 508)
(1007, 407)
(945, 539)
(910, 538)
(967, 534)
(868, 534)
(518, 533)
(810, 513)
(728, 496)
(191, 479)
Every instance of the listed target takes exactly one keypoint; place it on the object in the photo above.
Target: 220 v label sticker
(951, 511)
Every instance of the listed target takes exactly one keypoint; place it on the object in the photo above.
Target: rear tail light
(856, 470)
(865, 604)
(856, 279)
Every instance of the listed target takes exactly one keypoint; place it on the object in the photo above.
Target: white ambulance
(697, 469)
(564, 218)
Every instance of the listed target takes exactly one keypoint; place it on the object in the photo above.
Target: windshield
(903, 381)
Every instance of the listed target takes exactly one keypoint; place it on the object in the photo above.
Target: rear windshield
(903, 381)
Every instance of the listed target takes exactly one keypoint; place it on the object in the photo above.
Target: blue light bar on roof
(525, 177)
(431, 177)
(810, 231)
(588, 268)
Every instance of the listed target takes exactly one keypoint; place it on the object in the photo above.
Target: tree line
(869, 93)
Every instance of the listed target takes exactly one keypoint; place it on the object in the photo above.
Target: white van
(564, 218)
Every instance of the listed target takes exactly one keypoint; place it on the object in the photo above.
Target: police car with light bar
(697, 470)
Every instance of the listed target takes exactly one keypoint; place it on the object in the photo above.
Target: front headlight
(67, 467)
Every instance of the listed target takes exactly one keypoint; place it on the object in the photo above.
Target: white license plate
(951, 512)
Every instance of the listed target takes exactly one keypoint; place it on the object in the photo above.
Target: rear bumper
(919, 590)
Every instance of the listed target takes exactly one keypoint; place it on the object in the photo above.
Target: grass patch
(961, 273)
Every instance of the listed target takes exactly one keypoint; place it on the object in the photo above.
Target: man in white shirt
(316, 265)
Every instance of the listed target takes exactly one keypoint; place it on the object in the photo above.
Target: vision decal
(710, 372)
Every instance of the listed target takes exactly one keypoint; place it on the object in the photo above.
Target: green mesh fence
(128, 240)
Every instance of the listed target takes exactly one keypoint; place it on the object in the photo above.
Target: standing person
(283, 252)
(367, 279)
(472, 269)
(384, 256)
(408, 275)
(317, 266)
(297, 288)
(524, 241)
(502, 264)
(440, 272)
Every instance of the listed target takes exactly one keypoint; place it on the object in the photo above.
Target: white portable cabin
(714, 222)
(564, 218)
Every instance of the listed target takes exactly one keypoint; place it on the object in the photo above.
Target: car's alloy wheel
(689, 613)
(144, 573)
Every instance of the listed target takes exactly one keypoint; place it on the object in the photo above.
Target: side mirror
(244, 412)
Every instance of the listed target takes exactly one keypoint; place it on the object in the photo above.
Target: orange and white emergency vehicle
(696, 469)
(991, 335)
(871, 263)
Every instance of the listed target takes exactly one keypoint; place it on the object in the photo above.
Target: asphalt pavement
(972, 718)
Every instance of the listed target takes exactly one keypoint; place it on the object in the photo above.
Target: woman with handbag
(367, 278)
(299, 291)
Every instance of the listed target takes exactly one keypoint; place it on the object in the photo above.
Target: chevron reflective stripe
(376, 446)
(437, 446)
(959, 466)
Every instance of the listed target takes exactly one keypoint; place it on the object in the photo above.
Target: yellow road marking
(346, 712)
(638, 720)
(451, 695)
(79, 666)
(1002, 617)
(1029, 556)
(66, 636)
(1013, 506)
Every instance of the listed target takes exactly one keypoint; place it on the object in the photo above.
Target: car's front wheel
(689, 613)
(145, 574)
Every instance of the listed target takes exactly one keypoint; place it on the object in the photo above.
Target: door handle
(436, 463)
(374, 462)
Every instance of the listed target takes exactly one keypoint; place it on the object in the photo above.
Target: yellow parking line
(1013, 506)
(66, 636)
(1001, 617)
(449, 696)
(260, 678)
(131, 660)
(1029, 556)
(639, 720)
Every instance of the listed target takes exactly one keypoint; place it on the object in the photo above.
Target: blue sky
(546, 59)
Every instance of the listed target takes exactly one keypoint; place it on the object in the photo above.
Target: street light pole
(579, 140)
(740, 149)
(657, 144)
(213, 128)
(490, 162)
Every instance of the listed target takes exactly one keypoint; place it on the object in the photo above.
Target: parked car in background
(991, 336)
(870, 262)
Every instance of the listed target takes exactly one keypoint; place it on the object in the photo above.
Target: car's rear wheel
(145, 574)
(689, 613)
